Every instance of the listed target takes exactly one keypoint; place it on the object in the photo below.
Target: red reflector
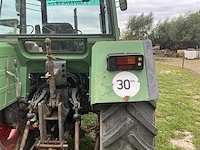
(125, 67)
(126, 60)
(122, 60)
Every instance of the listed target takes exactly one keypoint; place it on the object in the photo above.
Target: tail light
(124, 62)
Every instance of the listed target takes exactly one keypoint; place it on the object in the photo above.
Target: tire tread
(128, 126)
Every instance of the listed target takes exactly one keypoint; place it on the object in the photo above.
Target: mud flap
(122, 85)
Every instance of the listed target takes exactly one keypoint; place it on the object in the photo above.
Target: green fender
(7, 82)
(141, 84)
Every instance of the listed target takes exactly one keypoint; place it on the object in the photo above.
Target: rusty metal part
(77, 127)
(61, 119)
(77, 136)
(25, 135)
(50, 70)
(48, 45)
(42, 113)
(126, 98)
(44, 117)
(52, 144)
(77, 117)
(29, 116)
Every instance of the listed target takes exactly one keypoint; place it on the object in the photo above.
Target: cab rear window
(61, 46)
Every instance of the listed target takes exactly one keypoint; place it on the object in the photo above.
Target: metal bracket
(17, 84)
(74, 100)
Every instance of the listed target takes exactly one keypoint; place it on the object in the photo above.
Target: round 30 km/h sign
(126, 84)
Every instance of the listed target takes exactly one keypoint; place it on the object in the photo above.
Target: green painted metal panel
(101, 89)
(7, 82)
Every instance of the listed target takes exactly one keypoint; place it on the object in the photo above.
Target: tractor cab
(59, 19)
(68, 17)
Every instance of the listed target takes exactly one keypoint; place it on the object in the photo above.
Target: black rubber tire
(128, 126)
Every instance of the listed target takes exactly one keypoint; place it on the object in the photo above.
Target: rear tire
(128, 126)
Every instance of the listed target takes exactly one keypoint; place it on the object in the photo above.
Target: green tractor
(60, 59)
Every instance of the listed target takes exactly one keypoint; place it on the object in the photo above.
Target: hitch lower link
(77, 117)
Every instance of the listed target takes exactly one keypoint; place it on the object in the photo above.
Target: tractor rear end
(52, 72)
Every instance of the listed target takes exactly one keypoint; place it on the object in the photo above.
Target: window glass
(55, 17)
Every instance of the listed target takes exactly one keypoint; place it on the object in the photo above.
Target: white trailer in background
(192, 54)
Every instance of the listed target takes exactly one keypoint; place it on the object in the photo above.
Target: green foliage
(178, 105)
(138, 27)
(88, 120)
(86, 143)
(160, 33)
(181, 32)
(193, 21)
(178, 33)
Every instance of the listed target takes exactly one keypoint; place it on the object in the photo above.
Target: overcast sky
(161, 9)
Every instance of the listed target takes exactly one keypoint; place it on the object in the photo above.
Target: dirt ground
(185, 143)
(192, 64)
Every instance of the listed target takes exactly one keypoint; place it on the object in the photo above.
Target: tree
(160, 34)
(185, 30)
(180, 32)
(138, 27)
(193, 21)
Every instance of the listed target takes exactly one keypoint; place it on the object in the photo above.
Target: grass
(178, 107)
